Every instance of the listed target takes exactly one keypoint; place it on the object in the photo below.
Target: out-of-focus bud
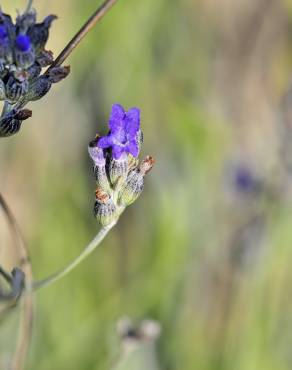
(10, 124)
(38, 89)
(6, 22)
(45, 58)
(16, 282)
(24, 52)
(15, 89)
(135, 182)
(57, 74)
(34, 71)
(5, 46)
(39, 33)
(25, 21)
(23, 114)
(104, 209)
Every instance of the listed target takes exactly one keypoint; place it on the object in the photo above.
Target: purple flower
(23, 42)
(123, 135)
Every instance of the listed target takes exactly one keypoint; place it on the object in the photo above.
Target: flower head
(118, 174)
(123, 136)
(22, 58)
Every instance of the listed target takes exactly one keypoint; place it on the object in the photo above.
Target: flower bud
(45, 58)
(34, 71)
(18, 282)
(23, 114)
(15, 89)
(146, 165)
(7, 33)
(24, 59)
(25, 21)
(39, 88)
(10, 124)
(39, 33)
(104, 209)
(99, 169)
(135, 182)
(57, 74)
(5, 47)
(118, 169)
(6, 22)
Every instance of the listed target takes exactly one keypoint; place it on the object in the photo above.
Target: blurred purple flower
(123, 135)
(244, 179)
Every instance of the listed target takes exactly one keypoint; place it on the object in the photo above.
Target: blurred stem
(86, 252)
(91, 22)
(26, 312)
(29, 5)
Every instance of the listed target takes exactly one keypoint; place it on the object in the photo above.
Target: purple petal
(133, 148)
(132, 122)
(117, 151)
(23, 42)
(105, 142)
(96, 155)
(116, 121)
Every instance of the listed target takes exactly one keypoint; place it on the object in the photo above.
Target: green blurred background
(210, 262)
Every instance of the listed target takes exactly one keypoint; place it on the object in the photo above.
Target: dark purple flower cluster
(119, 176)
(22, 58)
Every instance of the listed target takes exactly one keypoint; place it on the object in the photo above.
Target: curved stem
(91, 22)
(27, 311)
(86, 252)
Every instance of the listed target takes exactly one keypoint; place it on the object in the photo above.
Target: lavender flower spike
(123, 135)
(118, 174)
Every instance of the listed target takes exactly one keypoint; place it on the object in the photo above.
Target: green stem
(29, 5)
(86, 252)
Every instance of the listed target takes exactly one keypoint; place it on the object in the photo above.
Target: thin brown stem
(26, 312)
(91, 22)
